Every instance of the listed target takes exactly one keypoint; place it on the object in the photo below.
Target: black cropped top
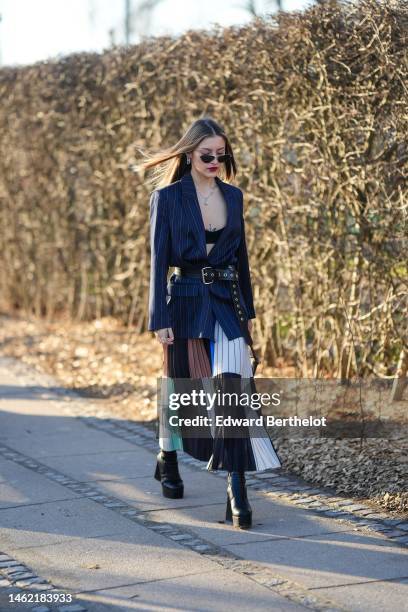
(212, 236)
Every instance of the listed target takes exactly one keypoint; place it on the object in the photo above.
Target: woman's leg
(174, 366)
(167, 471)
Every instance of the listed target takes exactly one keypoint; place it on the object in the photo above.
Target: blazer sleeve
(243, 268)
(159, 262)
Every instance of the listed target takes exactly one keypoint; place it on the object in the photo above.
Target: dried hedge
(315, 104)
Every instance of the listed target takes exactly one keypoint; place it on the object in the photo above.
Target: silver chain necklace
(206, 198)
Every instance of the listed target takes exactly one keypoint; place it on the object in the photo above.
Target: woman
(201, 315)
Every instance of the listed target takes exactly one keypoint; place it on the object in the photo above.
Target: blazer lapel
(192, 206)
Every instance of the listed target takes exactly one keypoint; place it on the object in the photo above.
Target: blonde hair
(170, 164)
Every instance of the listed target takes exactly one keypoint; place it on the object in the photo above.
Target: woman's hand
(250, 326)
(165, 335)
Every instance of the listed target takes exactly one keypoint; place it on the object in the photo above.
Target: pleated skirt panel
(217, 365)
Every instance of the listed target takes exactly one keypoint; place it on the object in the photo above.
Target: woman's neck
(203, 183)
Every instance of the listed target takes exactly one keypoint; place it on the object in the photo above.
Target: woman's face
(212, 145)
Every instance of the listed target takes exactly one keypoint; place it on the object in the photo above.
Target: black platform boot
(167, 473)
(238, 510)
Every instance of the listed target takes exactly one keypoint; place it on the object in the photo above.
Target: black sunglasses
(206, 158)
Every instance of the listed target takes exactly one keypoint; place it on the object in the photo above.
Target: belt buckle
(202, 275)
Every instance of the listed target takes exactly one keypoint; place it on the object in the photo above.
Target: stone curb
(17, 579)
(182, 536)
(274, 483)
(322, 501)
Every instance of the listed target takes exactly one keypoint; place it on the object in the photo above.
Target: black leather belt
(208, 274)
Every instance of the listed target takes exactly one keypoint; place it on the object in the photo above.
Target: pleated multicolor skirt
(215, 365)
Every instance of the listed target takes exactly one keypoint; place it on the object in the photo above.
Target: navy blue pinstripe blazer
(177, 238)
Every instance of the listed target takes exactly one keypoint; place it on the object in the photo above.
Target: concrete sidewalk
(81, 514)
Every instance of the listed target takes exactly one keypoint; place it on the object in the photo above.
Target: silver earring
(188, 160)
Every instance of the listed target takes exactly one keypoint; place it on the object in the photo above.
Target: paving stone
(354, 519)
(380, 527)
(335, 513)
(375, 516)
(325, 495)
(401, 539)
(302, 500)
(15, 568)
(403, 526)
(392, 521)
(72, 608)
(352, 507)
(23, 575)
(292, 488)
(30, 581)
(321, 508)
(394, 533)
(365, 512)
(9, 563)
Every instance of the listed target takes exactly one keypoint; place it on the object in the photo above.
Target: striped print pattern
(177, 238)
(221, 364)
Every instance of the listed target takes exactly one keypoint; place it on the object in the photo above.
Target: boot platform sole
(170, 492)
(240, 522)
